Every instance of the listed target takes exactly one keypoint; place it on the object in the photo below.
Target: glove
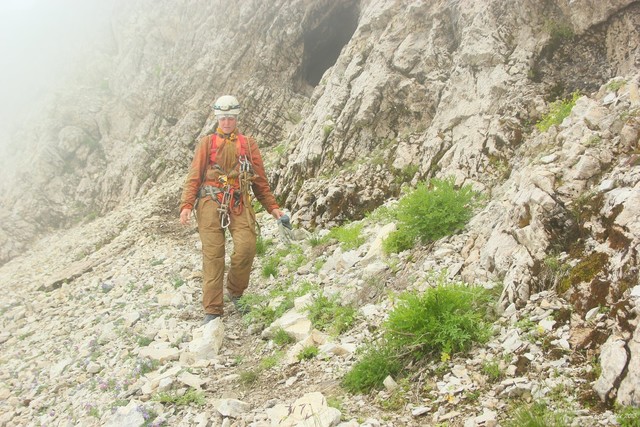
(285, 221)
(285, 228)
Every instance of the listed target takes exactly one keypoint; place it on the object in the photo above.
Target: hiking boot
(240, 306)
(209, 317)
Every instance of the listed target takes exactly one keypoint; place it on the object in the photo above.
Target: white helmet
(226, 105)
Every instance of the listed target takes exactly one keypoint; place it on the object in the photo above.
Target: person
(224, 166)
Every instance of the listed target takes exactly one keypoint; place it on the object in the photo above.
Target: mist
(41, 41)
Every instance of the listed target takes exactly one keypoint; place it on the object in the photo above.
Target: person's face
(227, 123)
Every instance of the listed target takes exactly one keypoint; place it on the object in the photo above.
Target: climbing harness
(230, 188)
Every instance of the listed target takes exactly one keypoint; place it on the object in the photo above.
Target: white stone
(296, 324)
(160, 353)
(208, 340)
(191, 380)
(58, 368)
(233, 408)
(311, 410)
(93, 367)
(390, 384)
(165, 384)
(171, 299)
(613, 358)
(126, 416)
(375, 250)
(629, 390)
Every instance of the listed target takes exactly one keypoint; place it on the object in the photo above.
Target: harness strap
(230, 198)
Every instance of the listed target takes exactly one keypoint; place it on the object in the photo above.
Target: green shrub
(537, 415)
(271, 361)
(431, 211)
(492, 370)
(294, 258)
(446, 319)
(143, 341)
(628, 416)
(262, 245)
(616, 85)
(308, 353)
(326, 314)
(315, 240)
(282, 337)
(190, 397)
(558, 32)
(558, 111)
(349, 235)
(263, 307)
(248, 377)
(370, 371)
(382, 214)
(270, 267)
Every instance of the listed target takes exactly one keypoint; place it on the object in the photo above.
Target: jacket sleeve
(260, 184)
(194, 176)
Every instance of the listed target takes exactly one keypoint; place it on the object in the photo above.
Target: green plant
(326, 130)
(282, 337)
(444, 320)
(267, 308)
(593, 141)
(335, 402)
(308, 352)
(190, 397)
(558, 111)
(94, 412)
(177, 282)
(431, 211)
(558, 32)
(349, 235)
(143, 341)
(326, 314)
(553, 270)
(270, 267)
(262, 245)
(447, 318)
(628, 416)
(381, 214)
(397, 399)
(248, 377)
(271, 361)
(492, 371)
(294, 257)
(406, 174)
(315, 240)
(537, 415)
(614, 85)
(378, 362)
(144, 366)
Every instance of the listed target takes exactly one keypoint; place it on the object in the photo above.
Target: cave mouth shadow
(326, 32)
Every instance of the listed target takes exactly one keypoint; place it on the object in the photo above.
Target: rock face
(351, 101)
(358, 97)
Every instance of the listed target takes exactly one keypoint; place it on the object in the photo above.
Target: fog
(40, 41)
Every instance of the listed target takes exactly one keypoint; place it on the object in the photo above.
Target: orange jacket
(201, 163)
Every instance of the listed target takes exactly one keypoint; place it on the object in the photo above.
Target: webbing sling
(226, 202)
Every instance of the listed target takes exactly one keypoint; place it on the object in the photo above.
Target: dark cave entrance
(325, 32)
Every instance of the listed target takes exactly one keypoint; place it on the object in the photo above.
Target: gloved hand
(285, 221)
(285, 228)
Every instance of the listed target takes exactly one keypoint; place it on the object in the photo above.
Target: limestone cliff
(353, 99)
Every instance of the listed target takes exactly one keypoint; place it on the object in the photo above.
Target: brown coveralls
(242, 223)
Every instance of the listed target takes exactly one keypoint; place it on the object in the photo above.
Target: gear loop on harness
(231, 188)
